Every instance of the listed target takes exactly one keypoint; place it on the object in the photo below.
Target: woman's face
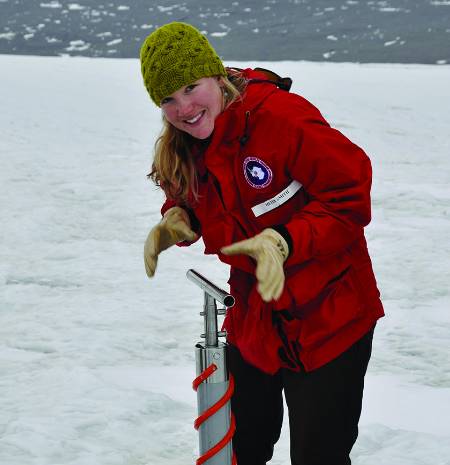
(194, 108)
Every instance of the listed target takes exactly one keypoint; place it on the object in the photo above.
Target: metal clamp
(212, 293)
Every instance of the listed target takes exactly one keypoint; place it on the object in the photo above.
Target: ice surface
(97, 361)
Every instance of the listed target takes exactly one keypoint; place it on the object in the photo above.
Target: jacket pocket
(338, 305)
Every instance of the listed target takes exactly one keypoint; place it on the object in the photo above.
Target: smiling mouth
(195, 119)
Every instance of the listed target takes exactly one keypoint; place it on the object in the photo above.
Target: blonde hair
(173, 168)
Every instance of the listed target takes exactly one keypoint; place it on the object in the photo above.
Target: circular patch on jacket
(257, 173)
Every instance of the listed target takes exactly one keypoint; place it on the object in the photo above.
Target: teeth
(194, 119)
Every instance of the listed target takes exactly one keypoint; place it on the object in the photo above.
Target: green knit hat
(176, 55)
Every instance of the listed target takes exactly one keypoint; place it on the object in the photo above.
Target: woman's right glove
(174, 227)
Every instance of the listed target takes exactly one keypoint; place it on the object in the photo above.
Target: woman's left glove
(270, 250)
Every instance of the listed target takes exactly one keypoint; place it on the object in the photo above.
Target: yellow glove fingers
(269, 294)
(246, 247)
(151, 250)
(266, 262)
(152, 243)
(270, 281)
(277, 286)
(264, 281)
(150, 264)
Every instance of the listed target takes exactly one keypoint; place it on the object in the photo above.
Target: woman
(282, 198)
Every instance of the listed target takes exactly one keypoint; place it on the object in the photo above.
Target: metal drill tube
(210, 309)
(205, 356)
(208, 394)
(211, 289)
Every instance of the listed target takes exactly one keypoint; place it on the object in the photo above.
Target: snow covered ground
(96, 361)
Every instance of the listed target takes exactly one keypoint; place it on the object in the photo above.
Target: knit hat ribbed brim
(175, 55)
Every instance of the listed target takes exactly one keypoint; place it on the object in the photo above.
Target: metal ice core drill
(214, 387)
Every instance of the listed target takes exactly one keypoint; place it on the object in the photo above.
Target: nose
(184, 107)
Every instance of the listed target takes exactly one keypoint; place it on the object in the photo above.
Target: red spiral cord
(211, 411)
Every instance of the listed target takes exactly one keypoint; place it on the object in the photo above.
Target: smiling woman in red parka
(283, 198)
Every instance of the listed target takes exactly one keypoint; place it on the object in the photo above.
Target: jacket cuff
(282, 231)
(195, 224)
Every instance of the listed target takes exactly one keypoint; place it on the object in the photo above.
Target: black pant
(324, 407)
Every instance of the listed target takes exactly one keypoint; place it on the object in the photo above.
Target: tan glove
(174, 227)
(270, 250)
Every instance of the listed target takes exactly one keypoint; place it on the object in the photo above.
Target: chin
(202, 134)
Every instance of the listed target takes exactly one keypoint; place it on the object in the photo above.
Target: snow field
(97, 361)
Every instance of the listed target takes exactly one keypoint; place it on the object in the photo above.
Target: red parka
(274, 160)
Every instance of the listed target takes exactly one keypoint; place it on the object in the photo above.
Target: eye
(190, 88)
(166, 100)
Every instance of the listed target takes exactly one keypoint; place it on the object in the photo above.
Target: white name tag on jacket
(278, 200)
